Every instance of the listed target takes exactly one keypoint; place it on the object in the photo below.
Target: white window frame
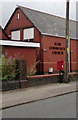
(28, 33)
(18, 16)
(15, 35)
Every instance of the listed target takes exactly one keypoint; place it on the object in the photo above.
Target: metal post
(67, 38)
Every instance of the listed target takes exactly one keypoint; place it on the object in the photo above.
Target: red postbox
(60, 65)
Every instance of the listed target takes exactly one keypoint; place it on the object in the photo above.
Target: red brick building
(3, 35)
(28, 28)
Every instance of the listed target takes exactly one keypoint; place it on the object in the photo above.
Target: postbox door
(60, 65)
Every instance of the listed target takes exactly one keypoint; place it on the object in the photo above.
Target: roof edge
(10, 18)
(46, 34)
(19, 44)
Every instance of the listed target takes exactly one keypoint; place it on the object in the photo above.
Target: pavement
(31, 94)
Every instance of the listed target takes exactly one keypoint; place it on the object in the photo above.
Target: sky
(54, 7)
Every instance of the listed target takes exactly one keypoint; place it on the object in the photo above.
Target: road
(57, 107)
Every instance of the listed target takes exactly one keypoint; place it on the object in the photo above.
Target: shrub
(7, 68)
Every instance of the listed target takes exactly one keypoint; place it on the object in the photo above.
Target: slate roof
(49, 24)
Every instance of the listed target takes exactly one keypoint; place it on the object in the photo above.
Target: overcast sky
(55, 7)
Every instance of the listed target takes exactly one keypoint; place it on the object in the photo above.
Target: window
(28, 33)
(15, 35)
(18, 15)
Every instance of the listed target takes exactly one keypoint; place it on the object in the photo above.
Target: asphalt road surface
(57, 107)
